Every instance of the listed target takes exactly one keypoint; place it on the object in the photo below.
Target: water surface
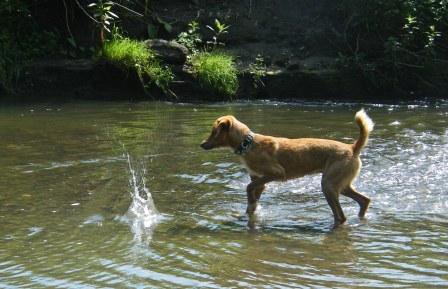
(70, 216)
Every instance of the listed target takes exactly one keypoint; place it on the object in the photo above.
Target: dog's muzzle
(206, 145)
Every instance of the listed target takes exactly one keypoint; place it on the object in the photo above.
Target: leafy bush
(21, 41)
(131, 54)
(216, 70)
(394, 43)
(191, 38)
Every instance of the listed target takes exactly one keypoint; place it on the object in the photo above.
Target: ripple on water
(204, 241)
(410, 177)
(95, 219)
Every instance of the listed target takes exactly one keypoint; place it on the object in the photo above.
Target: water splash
(142, 215)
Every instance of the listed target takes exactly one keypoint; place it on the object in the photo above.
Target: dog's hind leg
(332, 197)
(362, 200)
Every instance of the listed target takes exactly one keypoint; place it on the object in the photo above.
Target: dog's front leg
(254, 190)
(257, 185)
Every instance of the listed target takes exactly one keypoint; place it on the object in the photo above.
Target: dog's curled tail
(366, 126)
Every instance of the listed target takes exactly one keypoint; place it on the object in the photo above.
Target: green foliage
(103, 15)
(216, 70)
(126, 53)
(258, 71)
(417, 25)
(191, 38)
(218, 30)
(394, 43)
(132, 54)
(21, 41)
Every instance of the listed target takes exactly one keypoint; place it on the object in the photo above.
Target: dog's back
(306, 156)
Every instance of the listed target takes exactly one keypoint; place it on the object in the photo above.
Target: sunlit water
(116, 195)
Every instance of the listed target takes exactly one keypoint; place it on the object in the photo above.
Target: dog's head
(221, 135)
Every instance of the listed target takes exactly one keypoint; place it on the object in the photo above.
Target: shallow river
(118, 195)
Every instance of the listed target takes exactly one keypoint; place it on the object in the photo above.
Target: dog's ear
(225, 124)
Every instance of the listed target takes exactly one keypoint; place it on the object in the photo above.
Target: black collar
(245, 144)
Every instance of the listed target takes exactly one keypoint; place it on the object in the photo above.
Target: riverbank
(287, 50)
(309, 79)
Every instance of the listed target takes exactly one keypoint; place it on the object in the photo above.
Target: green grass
(132, 54)
(216, 70)
(126, 52)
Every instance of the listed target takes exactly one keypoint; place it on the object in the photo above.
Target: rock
(69, 79)
(170, 52)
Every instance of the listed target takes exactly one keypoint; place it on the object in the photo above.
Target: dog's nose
(205, 145)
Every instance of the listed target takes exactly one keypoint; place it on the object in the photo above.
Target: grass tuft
(132, 54)
(126, 52)
(216, 70)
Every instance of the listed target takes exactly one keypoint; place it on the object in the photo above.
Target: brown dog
(270, 158)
